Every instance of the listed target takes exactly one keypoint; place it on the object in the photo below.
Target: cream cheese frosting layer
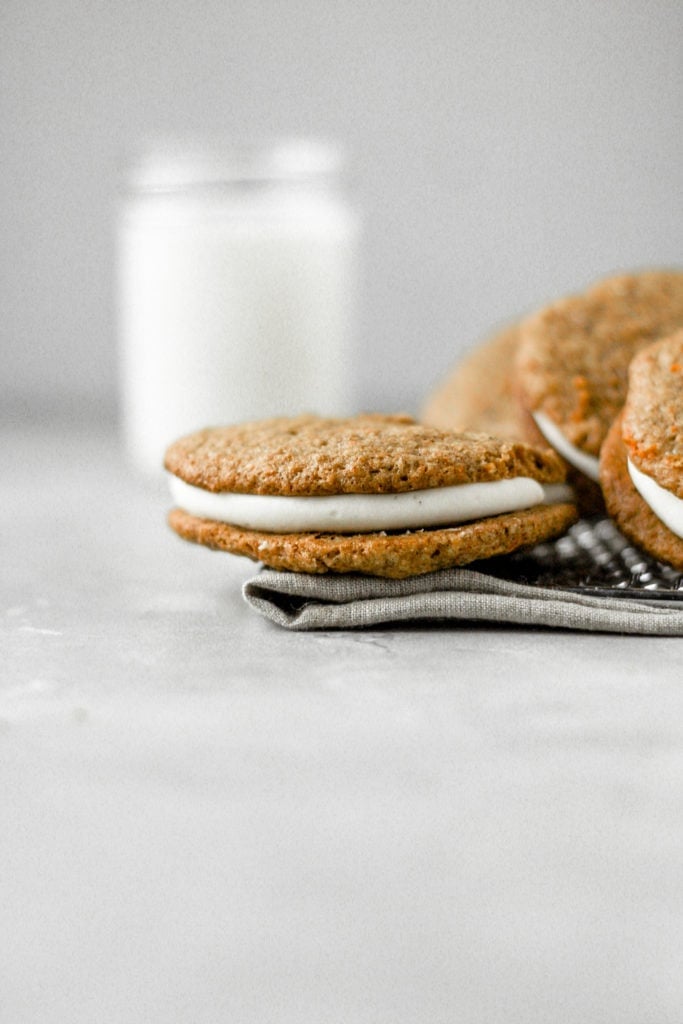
(362, 513)
(665, 505)
(588, 464)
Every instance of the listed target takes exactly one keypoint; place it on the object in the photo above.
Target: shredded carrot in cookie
(583, 397)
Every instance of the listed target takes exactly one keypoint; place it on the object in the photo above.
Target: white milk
(237, 286)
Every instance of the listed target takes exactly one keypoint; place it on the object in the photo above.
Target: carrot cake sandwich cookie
(573, 358)
(382, 495)
(479, 392)
(641, 465)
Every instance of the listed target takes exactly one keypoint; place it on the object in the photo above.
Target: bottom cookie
(391, 554)
(633, 516)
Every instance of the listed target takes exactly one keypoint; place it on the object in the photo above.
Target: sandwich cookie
(382, 495)
(479, 393)
(641, 465)
(573, 358)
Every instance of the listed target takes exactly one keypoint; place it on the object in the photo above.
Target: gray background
(504, 153)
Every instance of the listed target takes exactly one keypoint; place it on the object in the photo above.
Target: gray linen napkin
(305, 602)
(589, 579)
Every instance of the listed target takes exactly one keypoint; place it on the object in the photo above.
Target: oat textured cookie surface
(632, 514)
(309, 455)
(361, 457)
(641, 465)
(573, 356)
(652, 426)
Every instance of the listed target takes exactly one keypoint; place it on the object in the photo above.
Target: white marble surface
(207, 819)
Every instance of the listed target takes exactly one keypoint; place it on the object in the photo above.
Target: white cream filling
(665, 505)
(360, 513)
(588, 464)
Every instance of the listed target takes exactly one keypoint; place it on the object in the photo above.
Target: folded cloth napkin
(303, 602)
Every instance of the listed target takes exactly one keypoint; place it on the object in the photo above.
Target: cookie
(641, 464)
(374, 494)
(573, 357)
(479, 392)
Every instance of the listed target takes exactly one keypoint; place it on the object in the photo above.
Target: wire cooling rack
(595, 558)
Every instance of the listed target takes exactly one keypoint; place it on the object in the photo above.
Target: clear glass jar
(237, 289)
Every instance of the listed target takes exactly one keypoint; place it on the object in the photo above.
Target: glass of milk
(237, 287)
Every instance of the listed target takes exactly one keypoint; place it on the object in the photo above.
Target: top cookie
(652, 424)
(308, 455)
(479, 393)
(573, 356)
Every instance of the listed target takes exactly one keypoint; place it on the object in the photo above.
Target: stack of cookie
(562, 376)
(510, 449)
